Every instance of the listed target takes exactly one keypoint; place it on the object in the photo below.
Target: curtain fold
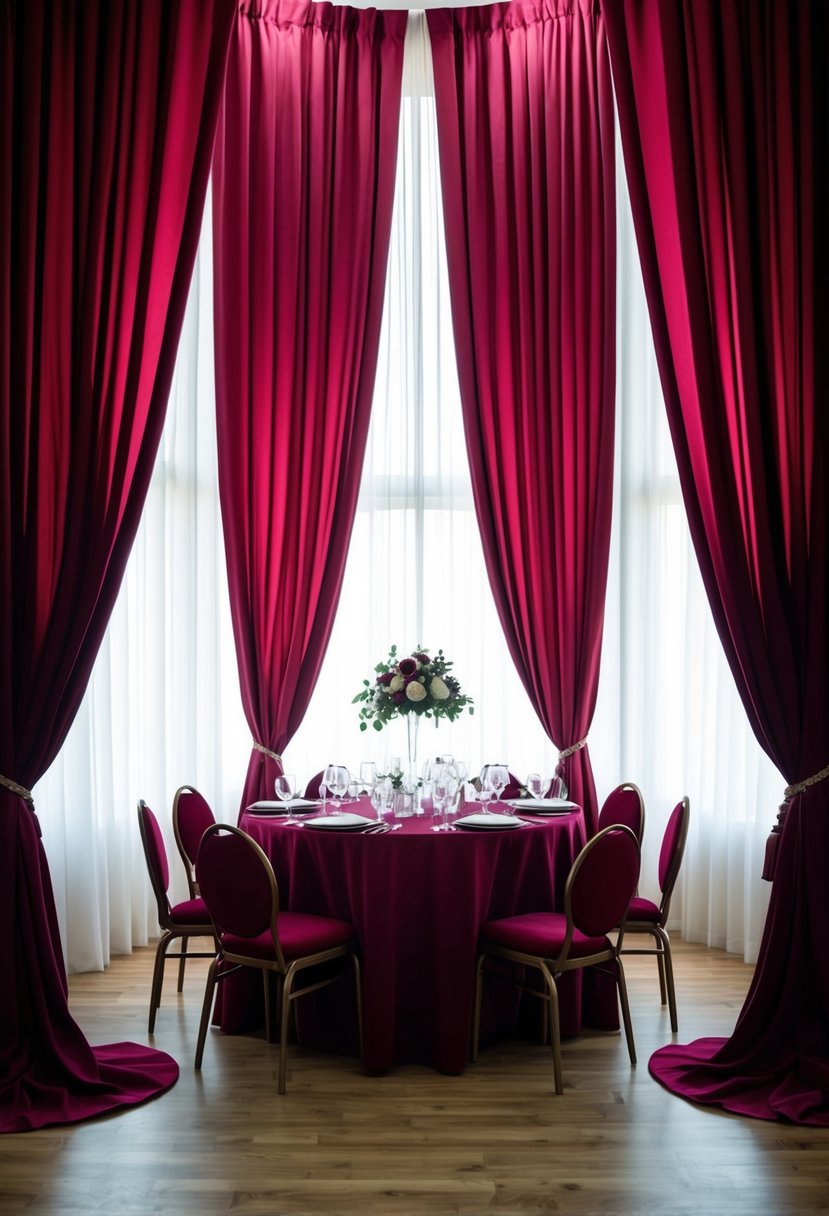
(525, 121)
(724, 112)
(106, 135)
(303, 190)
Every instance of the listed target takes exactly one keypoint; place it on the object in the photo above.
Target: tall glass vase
(412, 724)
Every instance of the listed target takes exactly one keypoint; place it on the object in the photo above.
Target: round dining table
(417, 899)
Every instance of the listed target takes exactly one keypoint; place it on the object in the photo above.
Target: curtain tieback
(791, 791)
(266, 751)
(571, 751)
(799, 786)
(17, 789)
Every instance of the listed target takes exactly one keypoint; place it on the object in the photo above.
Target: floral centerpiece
(418, 684)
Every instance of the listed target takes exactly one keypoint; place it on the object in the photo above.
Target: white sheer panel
(163, 706)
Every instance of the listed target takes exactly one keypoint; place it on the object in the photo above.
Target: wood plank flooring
(495, 1140)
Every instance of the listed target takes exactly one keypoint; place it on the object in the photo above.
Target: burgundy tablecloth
(417, 899)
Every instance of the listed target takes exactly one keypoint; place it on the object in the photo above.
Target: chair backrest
(155, 854)
(312, 789)
(671, 853)
(192, 817)
(602, 881)
(237, 883)
(624, 805)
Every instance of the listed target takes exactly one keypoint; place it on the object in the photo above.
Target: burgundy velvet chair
(644, 916)
(179, 921)
(312, 789)
(624, 805)
(239, 887)
(599, 888)
(192, 817)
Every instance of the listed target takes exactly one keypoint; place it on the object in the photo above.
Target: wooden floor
(494, 1140)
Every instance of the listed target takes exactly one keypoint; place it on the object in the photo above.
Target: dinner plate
(344, 822)
(281, 808)
(491, 822)
(543, 806)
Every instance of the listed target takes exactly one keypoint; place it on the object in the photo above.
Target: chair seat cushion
(190, 912)
(541, 934)
(642, 909)
(300, 933)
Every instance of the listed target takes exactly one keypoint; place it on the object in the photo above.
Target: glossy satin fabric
(724, 113)
(526, 133)
(106, 131)
(303, 186)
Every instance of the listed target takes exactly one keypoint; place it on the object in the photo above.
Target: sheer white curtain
(681, 725)
(163, 706)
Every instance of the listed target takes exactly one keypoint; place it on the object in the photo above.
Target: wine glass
(285, 786)
(336, 778)
(499, 779)
(487, 790)
(444, 790)
(382, 795)
(536, 785)
(368, 776)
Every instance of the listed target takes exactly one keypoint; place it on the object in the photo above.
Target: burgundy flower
(407, 667)
(423, 658)
(399, 698)
(385, 677)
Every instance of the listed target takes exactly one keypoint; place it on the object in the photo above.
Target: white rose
(438, 689)
(397, 683)
(415, 691)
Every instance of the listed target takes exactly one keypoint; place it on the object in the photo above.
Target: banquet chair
(179, 921)
(624, 805)
(192, 817)
(238, 885)
(599, 888)
(645, 916)
(312, 789)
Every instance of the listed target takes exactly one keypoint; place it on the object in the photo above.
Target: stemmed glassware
(444, 792)
(536, 785)
(285, 786)
(382, 795)
(336, 778)
(494, 780)
(368, 776)
(559, 789)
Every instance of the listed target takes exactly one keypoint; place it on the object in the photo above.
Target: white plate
(343, 822)
(281, 808)
(543, 806)
(492, 821)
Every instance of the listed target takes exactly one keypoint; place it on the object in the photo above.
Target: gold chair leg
(207, 1005)
(555, 1028)
(359, 994)
(287, 984)
(623, 1001)
(158, 978)
(669, 979)
(182, 960)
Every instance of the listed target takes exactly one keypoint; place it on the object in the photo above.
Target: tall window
(163, 707)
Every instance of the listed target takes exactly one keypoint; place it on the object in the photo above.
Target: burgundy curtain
(525, 123)
(303, 189)
(106, 130)
(724, 110)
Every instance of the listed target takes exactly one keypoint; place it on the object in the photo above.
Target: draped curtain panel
(106, 132)
(525, 123)
(724, 113)
(302, 200)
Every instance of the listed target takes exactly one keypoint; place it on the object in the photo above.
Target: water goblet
(444, 791)
(487, 788)
(536, 785)
(499, 779)
(337, 778)
(368, 776)
(559, 789)
(285, 786)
